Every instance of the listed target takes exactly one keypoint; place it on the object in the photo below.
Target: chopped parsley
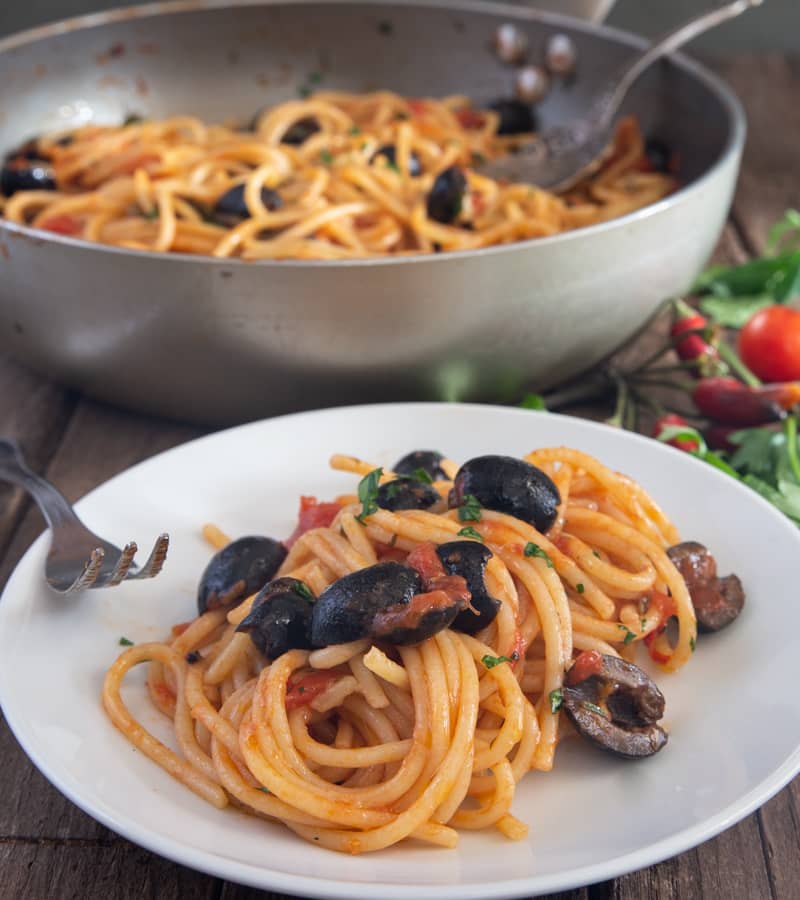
(125, 642)
(532, 549)
(314, 77)
(392, 488)
(265, 790)
(644, 624)
(304, 590)
(556, 699)
(355, 130)
(470, 532)
(629, 635)
(692, 643)
(470, 509)
(153, 213)
(491, 661)
(593, 707)
(368, 494)
(579, 587)
(421, 475)
(533, 401)
(478, 159)
(304, 91)
(393, 166)
(326, 157)
(596, 553)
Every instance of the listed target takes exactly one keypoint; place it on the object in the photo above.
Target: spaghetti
(334, 176)
(360, 745)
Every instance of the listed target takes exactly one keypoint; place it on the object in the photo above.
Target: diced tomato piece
(665, 606)
(470, 118)
(652, 648)
(309, 686)
(63, 224)
(387, 553)
(425, 560)
(416, 106)
(587, 664)
(312, 515)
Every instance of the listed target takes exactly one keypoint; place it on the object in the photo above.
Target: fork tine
(155, 561)
(123, 564)
(90, 571)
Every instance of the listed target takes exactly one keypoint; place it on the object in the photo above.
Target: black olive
(446, 197)
(28, 150)
(300, 132)
(508, 485)
(658, 154)
(469, 559)
(406, 493)
(633, 705)
(426, 460)
(717, 601)
(238, 570)
(516, 117)
(231, 208)
(389, 153)
(22, 174)
(280, 618)
(385, 602)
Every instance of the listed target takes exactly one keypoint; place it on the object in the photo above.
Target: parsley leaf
(593, 707)
(470, 532)
(470, 509)
(368, 494)
(532, 549)
(556, 699)
(692, 644)
(326, 157)
(355, 130)
(314, 77)
(421, 475)
(491, 661)
(580, 588)
(629, 635)
(533, 401)
(125, 642)
(304, 590)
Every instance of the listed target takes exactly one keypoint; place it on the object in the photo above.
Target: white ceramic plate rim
(259, 876)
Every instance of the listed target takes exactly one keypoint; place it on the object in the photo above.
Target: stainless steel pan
(224, 341)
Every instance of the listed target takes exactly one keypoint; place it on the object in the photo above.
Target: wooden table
(50, 849)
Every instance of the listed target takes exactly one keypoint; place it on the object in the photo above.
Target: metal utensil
(78, 558)
(563, 155)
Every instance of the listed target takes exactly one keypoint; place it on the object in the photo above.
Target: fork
(563, 155)
(77, 558)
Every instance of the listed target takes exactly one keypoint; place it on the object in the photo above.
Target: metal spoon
(561, 156)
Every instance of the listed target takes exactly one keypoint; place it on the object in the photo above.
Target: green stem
(621, 408)
(790, 430)
(686, 387)
(578, 392)
(731, 357)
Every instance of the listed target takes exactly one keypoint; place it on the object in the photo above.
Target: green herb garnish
(533, 401)
(326, 157)
(593, 707)
(470, 509)
(368, 494)
(355, 130)
(314, 77)
(470, 532)
(580, 588)
(421, 475)
(692, 643)
(304, 91)
(491, 661)
(556, 699)
(596, 553)
(532, 549)
(125, 642)
(629, 635)
(304, 590)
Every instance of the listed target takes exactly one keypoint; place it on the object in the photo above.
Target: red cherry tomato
(769, 344)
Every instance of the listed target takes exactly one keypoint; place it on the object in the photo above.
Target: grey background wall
(776, 25)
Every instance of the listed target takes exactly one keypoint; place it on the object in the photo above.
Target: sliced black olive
(717, 601)
(508, 485)
(659, 154)
(23, 174)
(389, 153)
(231, 208)
(469, 559)
(406, 493)
(238, 570)
(426, 460)
(446, 197)
(617, 709)
(300, 132)
(385, 602)
(516, 117)
(280, 618)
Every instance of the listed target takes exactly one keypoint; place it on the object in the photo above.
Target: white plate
(732, 712)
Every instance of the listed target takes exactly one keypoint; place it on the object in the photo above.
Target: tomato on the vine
(769, 344)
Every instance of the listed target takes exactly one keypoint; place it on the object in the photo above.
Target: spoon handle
(668, 42)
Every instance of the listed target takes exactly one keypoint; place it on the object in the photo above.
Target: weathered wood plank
(767, 85)
(82, 870)
(780, 835)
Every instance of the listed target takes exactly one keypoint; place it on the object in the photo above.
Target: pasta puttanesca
(359, 746)
(153, 184)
